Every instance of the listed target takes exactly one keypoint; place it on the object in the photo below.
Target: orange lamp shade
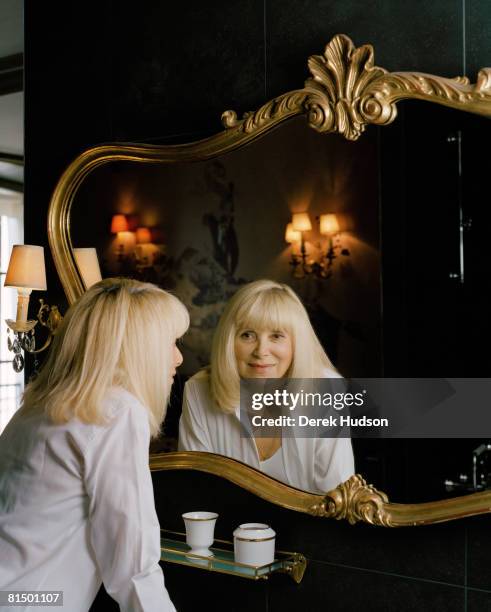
(291, 235)
(301, 222)
(329, 224)
(119, 223)
(143, 235)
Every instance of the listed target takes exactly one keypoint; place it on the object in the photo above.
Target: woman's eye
(247, 335)
(278, 336)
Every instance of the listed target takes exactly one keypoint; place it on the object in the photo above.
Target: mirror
(216, 225)
(220, 224)
(203, 205)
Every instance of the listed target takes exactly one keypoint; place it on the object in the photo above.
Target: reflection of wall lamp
(302, 265)
(144, 248)
(125, 238)
(143, 235)
(88, 266)
(137, 244)
(27, 273)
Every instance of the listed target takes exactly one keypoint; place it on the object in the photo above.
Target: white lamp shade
(291, 235)
(329, 224)
(301, 222)
(88, 265)
(26, 267)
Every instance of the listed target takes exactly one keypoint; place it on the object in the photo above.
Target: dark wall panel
(157, 53)
(477, 36)
(418, 35)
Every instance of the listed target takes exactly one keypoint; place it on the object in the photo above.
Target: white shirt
(317, 465)
(77, 508)
(275, 466)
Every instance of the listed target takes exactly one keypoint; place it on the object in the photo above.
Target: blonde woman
(264, 332)
(76, 503)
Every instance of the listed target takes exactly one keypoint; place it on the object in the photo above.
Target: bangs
(273, 310)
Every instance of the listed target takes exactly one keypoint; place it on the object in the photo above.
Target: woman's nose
(261, 347)
(178, 358)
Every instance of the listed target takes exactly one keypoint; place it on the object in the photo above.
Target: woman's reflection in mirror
(264, 332)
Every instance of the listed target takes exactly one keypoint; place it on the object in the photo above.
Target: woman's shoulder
(120, 405)
(119, 397)
(123, 414)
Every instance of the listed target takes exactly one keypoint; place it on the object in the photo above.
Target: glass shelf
(175, 550)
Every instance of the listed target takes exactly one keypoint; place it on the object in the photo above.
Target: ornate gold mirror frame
(345, 93)
(353, 500)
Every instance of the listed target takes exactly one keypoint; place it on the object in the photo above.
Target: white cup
(254, 544)
(200, 527)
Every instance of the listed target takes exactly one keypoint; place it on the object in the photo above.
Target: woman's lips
(261, 366)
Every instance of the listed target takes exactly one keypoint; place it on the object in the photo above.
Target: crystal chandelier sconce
(26, 272)
(321, 266)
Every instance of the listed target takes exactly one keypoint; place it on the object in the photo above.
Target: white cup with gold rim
(254, 544)
(200, 528)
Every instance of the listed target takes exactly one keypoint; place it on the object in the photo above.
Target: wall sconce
(143, 250)
(119, 223)
(27, 273)
(135, 251)
(143, 235)
(291, 235)
(300, 224)
(120, 226)
(328, 226)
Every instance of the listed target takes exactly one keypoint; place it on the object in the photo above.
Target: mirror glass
(204, 229)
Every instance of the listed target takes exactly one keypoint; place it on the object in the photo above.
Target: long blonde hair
(263, 304)
(120, 332)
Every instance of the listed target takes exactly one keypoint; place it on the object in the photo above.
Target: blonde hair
(263, 304)
(121, 332)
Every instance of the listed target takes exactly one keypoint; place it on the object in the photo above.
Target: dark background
(164, 72)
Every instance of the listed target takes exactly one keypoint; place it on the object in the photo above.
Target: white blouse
(275, 466)
(317, 465)
(77, 509)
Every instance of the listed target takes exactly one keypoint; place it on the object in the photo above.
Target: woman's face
(263, 353)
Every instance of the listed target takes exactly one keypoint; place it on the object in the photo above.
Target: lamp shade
(143, 235)
(119, 223)
(88, 265)
(291, 235)
(301, 222)
(26, 267)
(329, 224)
